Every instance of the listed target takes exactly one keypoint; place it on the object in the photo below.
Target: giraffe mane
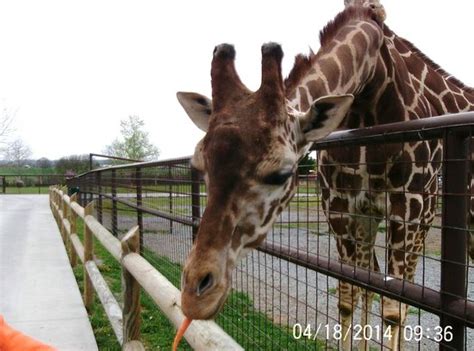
(350, 13)
(303, 63)
(301, 67)
(437, 68)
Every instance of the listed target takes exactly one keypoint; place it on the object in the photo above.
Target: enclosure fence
(29, 183)
(137, 274)
(285, 294)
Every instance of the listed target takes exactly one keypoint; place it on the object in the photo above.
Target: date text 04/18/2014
(370, 333)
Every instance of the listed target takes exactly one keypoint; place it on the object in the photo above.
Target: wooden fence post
(61, 215)
(66, 216)
(51, 199)
(58, 204)
(131, 290)
(88, 256)
(73, 222)
(56, 196)
(53, 202)
(56, 209)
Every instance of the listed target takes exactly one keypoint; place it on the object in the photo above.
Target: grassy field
(157, 332)
(31, 177)
(26, 190)
(30, 171)
(239, 317)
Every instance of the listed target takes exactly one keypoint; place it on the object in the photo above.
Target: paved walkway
(38, 293)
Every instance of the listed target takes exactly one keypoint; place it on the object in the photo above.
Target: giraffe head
(375, 5)
(249, 159)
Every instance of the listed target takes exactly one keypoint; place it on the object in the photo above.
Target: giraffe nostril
(204, 284)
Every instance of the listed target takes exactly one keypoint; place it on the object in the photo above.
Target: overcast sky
(74, 69)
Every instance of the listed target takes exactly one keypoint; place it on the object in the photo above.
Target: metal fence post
(84, 192)
(99, 200)
(170, 197)
(91, 189)
(138, 175)
(195, 200)
(454, 233)
(114, 202)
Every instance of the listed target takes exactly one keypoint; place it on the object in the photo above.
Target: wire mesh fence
(29, 183)
(391, 223)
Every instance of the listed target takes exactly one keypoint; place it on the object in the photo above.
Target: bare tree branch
(17, 152)
(6, 124)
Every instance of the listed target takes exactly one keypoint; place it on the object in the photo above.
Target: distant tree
(74, 164)
(134, 142)
(6, 124)
(16, 152)
(43, 162)
(307, 164)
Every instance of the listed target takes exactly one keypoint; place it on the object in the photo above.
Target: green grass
(26, 190)
(29, 171)
(180, 205)
(31, 177)
(249, 327)
(255, 331)
(157, 332)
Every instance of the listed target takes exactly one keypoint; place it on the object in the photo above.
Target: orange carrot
(180, 333)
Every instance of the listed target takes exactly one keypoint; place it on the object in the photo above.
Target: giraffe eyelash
(277, 178)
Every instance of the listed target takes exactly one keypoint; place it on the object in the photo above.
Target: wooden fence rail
(137, 273)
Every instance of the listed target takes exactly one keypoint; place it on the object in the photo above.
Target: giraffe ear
(198, 107)
(324, 116)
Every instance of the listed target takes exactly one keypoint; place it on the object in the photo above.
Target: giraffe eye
(277, 178)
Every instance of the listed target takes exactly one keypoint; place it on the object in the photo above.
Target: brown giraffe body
(253, 142)
(391, 82)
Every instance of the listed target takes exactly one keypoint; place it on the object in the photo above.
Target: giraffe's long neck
(433, 91)
(391, 80)
(342, 66)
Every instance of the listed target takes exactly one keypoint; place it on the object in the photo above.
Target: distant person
(13, 340)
